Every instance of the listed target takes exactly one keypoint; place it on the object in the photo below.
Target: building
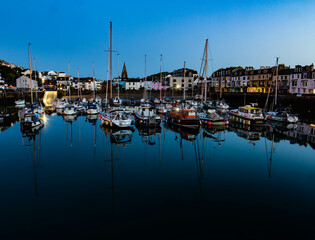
(302, 80)
(177, 81)
(134, 84)
(260, 80)
(24, 82)
(283, 80)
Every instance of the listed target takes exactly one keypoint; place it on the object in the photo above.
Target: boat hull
(186, 123)
(233, 117)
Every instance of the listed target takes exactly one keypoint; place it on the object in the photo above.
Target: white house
(302, 80)
(24, 82)
(134, 84)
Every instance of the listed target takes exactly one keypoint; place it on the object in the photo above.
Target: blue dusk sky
(240, 33)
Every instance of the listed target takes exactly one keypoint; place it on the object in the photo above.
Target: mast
(69, 81)
(184, 80)
(93, 80)
(29, 58)
(35, 79)
(107, 77)
(118, 72)
(111, 65)
(145, 77)
(276, 81)
(161, 79)
(78, 84)
(206, 66)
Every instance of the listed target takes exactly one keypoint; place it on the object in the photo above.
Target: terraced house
(302, 80)
(298, 80)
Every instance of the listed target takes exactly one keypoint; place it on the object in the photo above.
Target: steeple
(124, 74)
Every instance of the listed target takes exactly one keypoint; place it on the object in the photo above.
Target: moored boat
(212, 118)
(249, 114)
(20, 103)
(31, 120)
(281, 115)
(69, 110)
(93, 108)
(146, 116)
(116, 118)
(184, 118)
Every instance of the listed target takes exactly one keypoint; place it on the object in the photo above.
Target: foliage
(10, 74)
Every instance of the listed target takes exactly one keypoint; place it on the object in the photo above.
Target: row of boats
(187, 114)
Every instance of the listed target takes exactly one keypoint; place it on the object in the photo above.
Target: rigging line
(211, 59)
(203, 57)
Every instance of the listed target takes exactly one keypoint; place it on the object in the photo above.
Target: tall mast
(69, 80)
(206, 66)
(35, 79)
(107, 77)
(29, 58)
(93, 80)
(161, 79)
(276, 81)
(145, 77)
(118, 72)
(111, 67)
(184, 80)
(78, 84)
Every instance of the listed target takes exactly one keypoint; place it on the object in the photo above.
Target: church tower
(124, 74)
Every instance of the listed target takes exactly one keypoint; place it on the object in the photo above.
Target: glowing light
(45, 119)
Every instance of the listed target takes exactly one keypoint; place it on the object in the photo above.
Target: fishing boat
(116, 118)
(211, 118)
(249, 114)
(146, 116)
(184, 118)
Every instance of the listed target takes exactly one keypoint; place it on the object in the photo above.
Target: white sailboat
(282, 115)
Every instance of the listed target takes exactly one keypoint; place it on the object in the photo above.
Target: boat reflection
(248, 132)
(215, 133)
(120, 137)
(32, 140)
(148, 134)
(303, 134)
(92, 118)
(189, 134)
(70, 118)
(7, 119)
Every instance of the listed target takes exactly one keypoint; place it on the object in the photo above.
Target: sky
(240, 33)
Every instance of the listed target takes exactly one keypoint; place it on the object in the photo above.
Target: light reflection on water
(83, 180)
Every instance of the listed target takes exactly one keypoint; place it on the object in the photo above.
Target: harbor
(88, 180)
(174, 121)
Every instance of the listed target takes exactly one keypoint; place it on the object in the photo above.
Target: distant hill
(9, 75)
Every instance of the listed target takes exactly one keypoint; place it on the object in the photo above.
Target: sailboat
(283, 114)
(31, 119)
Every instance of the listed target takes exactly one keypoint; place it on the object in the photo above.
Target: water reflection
(117, 180)
(31, 139)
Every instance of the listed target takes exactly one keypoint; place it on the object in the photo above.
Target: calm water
(79, 180)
